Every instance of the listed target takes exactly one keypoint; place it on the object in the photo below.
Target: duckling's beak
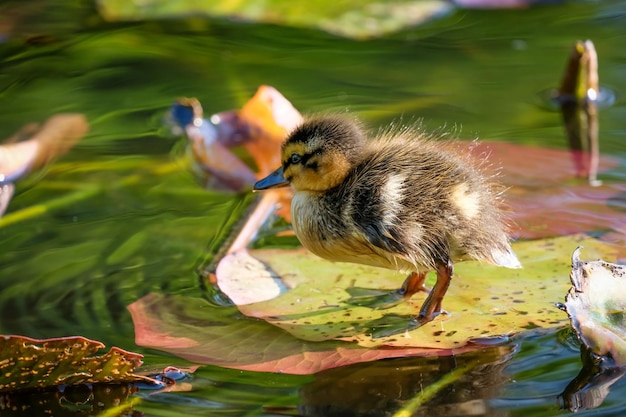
(274, 180)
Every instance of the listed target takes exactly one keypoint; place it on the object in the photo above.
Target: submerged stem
(430, 391)
(39, 209)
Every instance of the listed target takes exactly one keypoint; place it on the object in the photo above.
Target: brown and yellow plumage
(399, 201)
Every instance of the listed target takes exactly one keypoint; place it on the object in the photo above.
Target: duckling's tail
(506, 258)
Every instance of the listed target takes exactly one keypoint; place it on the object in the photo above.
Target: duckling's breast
(325, 226)
(317, 224)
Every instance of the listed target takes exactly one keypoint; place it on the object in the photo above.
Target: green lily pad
(193, 329)
(353, 19)
(483, 301)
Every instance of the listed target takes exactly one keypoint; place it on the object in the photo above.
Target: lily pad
(544, 196)
(191, 328)
(354, 19)
(30, 363)
(483, 300)
(313, 328)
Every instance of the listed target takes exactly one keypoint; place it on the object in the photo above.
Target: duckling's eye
(295, 158)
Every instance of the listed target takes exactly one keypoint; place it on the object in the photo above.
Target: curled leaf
(58, 134)
(260, 127)
(596, 306)
(6, 192)
(225, 170)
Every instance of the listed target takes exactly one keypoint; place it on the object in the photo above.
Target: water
(125, 217)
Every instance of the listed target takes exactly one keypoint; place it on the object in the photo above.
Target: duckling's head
(318, 155)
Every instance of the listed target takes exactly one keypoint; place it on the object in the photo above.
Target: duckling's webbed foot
(381, 299)
(432, 305)
(374, 298)
(414, 283)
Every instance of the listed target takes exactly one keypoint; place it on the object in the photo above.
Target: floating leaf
(496, 4)
(55, 137)
(267, 285)
(227, 171)
(30, 363)
(545, 199)
(596, 306)
(483, 300)
(508, 302)
(220, 168)
(262, 125)
(357, 19)
(191, 328)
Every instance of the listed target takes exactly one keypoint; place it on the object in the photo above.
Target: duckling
(400, 201)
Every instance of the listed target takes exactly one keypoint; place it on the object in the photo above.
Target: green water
(125, 217)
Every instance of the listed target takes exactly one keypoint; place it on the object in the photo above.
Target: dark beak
(274, 180)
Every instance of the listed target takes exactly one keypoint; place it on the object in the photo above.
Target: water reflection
(71, 401)
(384, 387)
(592, 384)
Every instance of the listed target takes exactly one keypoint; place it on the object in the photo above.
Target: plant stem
(430, 391)
(39, 209)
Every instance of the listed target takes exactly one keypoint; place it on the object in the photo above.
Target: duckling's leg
(414, 283)
(432, 305)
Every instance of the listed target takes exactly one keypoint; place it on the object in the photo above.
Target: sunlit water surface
(126, 231)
